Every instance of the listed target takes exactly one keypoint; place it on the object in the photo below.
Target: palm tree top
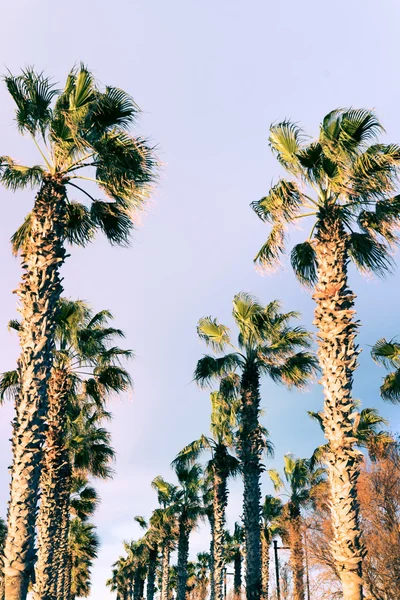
(300, 477)
(347, 175)
(387, 353)
(82, 135)
(265, 337)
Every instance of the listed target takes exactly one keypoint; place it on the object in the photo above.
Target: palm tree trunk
(212, 566)
(220, 502)
(183, 557)
(39, 292)
(250, 450)
(51, 483)
(297, 556)
(62, 558)
(151, 575)
(334, 317)
(165, 570)
(265, 544)
(237, 576)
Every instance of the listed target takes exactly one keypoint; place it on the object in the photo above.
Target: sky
(210, 77)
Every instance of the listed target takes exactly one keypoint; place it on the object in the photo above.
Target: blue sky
(210, 77)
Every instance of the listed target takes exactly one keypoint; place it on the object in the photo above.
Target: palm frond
(9, 385)
(304, 263)
(390, 388)
(357, 128)
(296, 371)
(286, 140)
(113, 108)
(269, 255)
(16, 177)
(386, 353)
(79, 228)
(368, 254)
(213, 333)
(276, 479)
(282, 203)
(210, 368)
(21, 236)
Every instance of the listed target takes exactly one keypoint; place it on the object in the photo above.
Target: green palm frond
(357, 128)
(387, 353)
(80, 227)
(141, 521)
(282, 203)
(9, 385)
(390, 388)
(368, 254)
(190, 453)
(304, 263)
(374, 171)
(113, 219)
(286, 140)
(17, 177)
(114, 108)
(270, 253)
(296, 371)
(213, 333)
(21, 236)
(210, 368)
(276, 479)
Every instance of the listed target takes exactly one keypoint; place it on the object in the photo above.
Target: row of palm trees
(343, 183)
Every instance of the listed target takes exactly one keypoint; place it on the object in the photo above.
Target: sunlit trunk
(265, 545)
(220, 501)
(165, 558)
(39, 292)
(296, 553)
(334, 317)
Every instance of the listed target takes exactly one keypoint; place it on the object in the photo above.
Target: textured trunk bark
(165, 571)
(237, 576)
(183, 557)
(220, 501)
(212, 569)
(297, 555)
(250, 451)
(62, 558)
(265, 544)
(55, 465)
(151, 575)
(334, 317)
(39, 292)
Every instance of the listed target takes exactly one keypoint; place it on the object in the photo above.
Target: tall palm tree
(234, 553)
(151, 539)
(164, 524)
(221, 466)
(189, 510)
(83, 548)
(301, 481)
(344, 182)
(267, 345)
(77, 129)
(121, 579)
(86, 367)
(270, 528)
(387, 354)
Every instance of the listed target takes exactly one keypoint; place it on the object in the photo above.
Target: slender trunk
(265, 545)
(151, 575)
(237, 576)
(39, 292)
(183, 557)
(138, 585)
(165, 555)
(296, 554)
(334, 317)
(250, 450)
(51, 482)
(220, 501)
(62, 558)
(212, 569)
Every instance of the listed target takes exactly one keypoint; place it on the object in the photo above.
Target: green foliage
(387, 353)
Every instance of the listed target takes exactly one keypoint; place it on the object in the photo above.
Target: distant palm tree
(344, 181)
(163, 521)
(208, 507)
(234, 554)
(267, 345)
(202, 567)
(151, 539)
(270, 528)
(387, 353)
(83, 548)
(219, 468)
(301, 480)
(77, 129)
(121, 579)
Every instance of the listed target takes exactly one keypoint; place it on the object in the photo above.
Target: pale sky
(210, 76)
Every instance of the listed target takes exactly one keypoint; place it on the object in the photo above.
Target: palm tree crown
(387, 354)
(344, 176)
(82, 134)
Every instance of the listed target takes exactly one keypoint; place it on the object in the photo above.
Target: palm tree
(202, 567)
(189, 510)
(268, 345)
(270, 528)
(86, 367)
(164, 524)
(75, 129)
(83, 548)
(208, 509)
(344, 183)
(234, 549)
(219, 468)
(151, 539)
(387, 354)
(121, 579)
(301, 481)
